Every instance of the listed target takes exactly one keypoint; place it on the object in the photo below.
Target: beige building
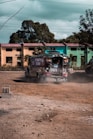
(14, 54)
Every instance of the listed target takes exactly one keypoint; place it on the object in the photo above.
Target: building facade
(79, 55)
(15, 54)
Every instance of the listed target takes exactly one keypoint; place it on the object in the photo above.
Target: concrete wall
(14, 54)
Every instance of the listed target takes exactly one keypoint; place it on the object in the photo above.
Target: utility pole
(22, 54)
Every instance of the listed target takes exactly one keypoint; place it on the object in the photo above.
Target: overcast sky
(61, 16)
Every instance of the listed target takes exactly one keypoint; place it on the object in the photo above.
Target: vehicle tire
(37, 75)
(88, 70)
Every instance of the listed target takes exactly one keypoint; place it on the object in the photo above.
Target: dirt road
(46, 110)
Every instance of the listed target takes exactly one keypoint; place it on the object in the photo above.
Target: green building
(79, 55)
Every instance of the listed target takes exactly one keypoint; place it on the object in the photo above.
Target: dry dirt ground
(46, 110)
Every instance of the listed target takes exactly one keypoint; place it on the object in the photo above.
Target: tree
(85, 34)
(71, 39)
(39, 50)
(86, 27)
(32, 32)
(86, 31)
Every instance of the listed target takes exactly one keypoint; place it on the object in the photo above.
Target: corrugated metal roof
(54, 44)
(38, 44)
(10, 45)
(73, 44)
(19, 45)
(33, 44)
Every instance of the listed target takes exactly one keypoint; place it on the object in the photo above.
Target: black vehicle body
(53, 65)
(89, 67)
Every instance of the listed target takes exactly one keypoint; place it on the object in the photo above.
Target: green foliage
(39, 50)
(32, 32)
(26, 57)
(85, 35)
(71, 39)
(86, 27)
(10, 68)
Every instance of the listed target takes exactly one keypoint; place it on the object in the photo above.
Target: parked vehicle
(52, 65)
(89, 67)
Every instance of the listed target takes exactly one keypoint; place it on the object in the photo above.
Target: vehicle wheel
(43, 78)
(38, 75)
(88, 70)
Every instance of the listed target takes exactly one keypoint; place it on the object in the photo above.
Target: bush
(10, 68)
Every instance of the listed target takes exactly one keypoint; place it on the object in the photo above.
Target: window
(82, 60)
(73, 49)
(18, 49)
(52, 48)
(31, 48)
(19, 58)
(82, 49)
(74, 58)
(8, 59)
(19, 61)
(8, 49)
(91, 49)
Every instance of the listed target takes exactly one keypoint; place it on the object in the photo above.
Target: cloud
(61, 28)
(61, 17)
(80, 1)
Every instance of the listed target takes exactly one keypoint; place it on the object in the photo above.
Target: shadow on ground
(34, 80)
(77, 77)
(27, 80)
(3, 112)
(80, 77)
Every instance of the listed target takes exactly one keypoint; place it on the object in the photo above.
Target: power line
(7, 1)
(11, 17)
